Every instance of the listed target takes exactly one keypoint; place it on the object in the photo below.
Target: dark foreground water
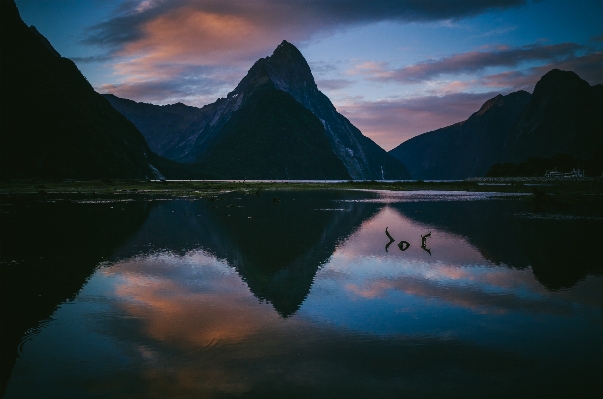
(296, 294)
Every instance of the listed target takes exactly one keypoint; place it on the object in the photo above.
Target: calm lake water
(296, 294)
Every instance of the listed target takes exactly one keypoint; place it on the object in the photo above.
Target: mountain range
(564, 115)
(202, 140)
(275, 124)
(467, 148)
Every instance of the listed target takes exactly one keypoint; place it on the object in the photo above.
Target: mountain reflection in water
(249, 296)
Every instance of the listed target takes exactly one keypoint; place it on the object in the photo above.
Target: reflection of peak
(291, 240)
(277, 251)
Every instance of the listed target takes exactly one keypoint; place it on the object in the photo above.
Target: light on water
(300, 297)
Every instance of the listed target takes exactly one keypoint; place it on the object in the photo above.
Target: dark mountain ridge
(465, 149)
(285, 70)
(54, 125)
(564, 115)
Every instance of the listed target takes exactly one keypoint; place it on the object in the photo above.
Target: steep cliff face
(465, 149)
(54, 125)
(285, 70)
(564, 115)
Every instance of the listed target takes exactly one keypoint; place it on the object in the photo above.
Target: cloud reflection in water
(190, 322)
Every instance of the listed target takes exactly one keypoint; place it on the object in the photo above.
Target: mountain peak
(559, 74)
(561, 82)
(563, 115)
(286, 69)
(286, 50)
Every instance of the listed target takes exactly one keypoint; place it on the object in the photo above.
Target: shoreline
(572, 189)
(537, 179)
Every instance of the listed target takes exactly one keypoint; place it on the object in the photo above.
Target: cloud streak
(197, 85)
(470, 62)
(131, 19)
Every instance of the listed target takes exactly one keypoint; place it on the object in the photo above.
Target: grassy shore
(566, 190)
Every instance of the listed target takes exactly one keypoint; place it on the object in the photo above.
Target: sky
(396, 69)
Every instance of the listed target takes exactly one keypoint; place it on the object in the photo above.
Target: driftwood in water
(389, 235)
(424, 238)
(391, 239)
(403, 245)
(424, 242)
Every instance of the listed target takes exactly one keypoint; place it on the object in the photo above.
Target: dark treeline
(536, 166)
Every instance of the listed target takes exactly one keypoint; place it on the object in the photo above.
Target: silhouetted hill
(465, 149)
(564, 115)
(54, 125)
(286, 70)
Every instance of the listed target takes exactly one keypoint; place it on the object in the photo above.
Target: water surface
(296, 294)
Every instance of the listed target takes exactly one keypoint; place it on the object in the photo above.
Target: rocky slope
(54, 125)
(465, 149)
(162, 125)
(272, 136)
(285, 70)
